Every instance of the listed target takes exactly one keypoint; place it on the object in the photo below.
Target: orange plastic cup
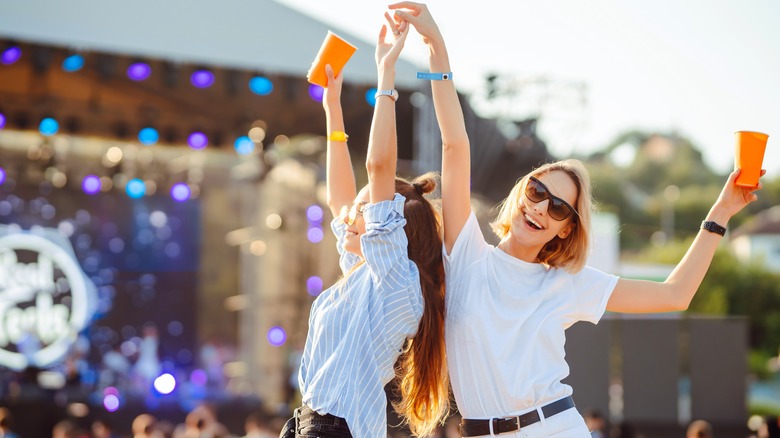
(749, 156)
(334, 51)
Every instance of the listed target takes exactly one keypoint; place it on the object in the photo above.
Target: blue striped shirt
(358, 326)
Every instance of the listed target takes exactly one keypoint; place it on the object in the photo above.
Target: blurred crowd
(203, 422)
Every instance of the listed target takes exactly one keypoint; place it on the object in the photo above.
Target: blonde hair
(571, 252)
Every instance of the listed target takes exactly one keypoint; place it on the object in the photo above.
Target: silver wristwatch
(393, 94)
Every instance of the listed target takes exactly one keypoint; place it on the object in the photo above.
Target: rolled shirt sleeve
(385, 248)
(347, 260)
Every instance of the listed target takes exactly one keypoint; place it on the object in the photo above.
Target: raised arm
(456, 155)
(339, 175)
(676, 293)
(383, 140)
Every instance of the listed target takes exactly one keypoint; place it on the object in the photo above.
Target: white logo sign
(45, 300)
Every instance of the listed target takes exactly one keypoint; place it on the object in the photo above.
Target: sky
(593, 69)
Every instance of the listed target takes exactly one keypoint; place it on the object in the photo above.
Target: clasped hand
(388, 49)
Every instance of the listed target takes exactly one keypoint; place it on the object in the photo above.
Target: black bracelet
(713, 227)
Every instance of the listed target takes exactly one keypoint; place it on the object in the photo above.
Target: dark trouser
(307, 423)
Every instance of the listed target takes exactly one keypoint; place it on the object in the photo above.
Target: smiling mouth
(532, 223)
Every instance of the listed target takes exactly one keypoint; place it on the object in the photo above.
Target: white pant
(566, 424)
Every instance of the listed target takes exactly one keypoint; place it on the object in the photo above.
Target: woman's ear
(564, 233)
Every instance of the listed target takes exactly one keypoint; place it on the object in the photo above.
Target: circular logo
(45, 301)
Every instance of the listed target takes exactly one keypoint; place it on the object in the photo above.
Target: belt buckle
(493, 424)
(517, 421)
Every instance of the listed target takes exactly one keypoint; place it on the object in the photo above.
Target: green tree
(732, 288)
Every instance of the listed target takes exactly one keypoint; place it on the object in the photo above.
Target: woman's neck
(525, 253)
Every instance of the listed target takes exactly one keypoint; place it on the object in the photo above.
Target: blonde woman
(508, 306)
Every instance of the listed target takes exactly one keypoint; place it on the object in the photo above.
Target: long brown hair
(421, 371)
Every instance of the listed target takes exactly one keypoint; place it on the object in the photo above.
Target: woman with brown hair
(390, 300)
(508, 306)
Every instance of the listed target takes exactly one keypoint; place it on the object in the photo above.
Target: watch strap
(713, 227)
(393, 94)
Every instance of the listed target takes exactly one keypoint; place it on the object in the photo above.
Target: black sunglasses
(557, 208)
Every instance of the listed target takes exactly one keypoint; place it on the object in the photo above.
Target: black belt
(307, 415)
(510, 424)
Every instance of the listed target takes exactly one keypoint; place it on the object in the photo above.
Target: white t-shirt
(505, 325)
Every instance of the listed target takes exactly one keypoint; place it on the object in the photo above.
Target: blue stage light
(48, 126)
(261, 85)
(148, 136)
(135, 188)
(73, 63)
(371, 96)
(244, 145)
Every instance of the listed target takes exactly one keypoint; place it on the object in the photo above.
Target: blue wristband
(435, 76)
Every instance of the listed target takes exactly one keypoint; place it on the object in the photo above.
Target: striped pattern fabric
(358, 326)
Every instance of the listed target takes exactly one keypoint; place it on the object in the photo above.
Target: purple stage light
(2, 121)
(111, 403)
(314, 285)
(316, 92)
(315, 234)
(202, 78)
(139, 71)
(314, 214)
(277, 336)
(180, 192)
(197, 140)
(90, 184)
(199, 377)
(2, 176)
(11, 55)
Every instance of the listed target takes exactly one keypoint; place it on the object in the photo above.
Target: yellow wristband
(338, 136)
